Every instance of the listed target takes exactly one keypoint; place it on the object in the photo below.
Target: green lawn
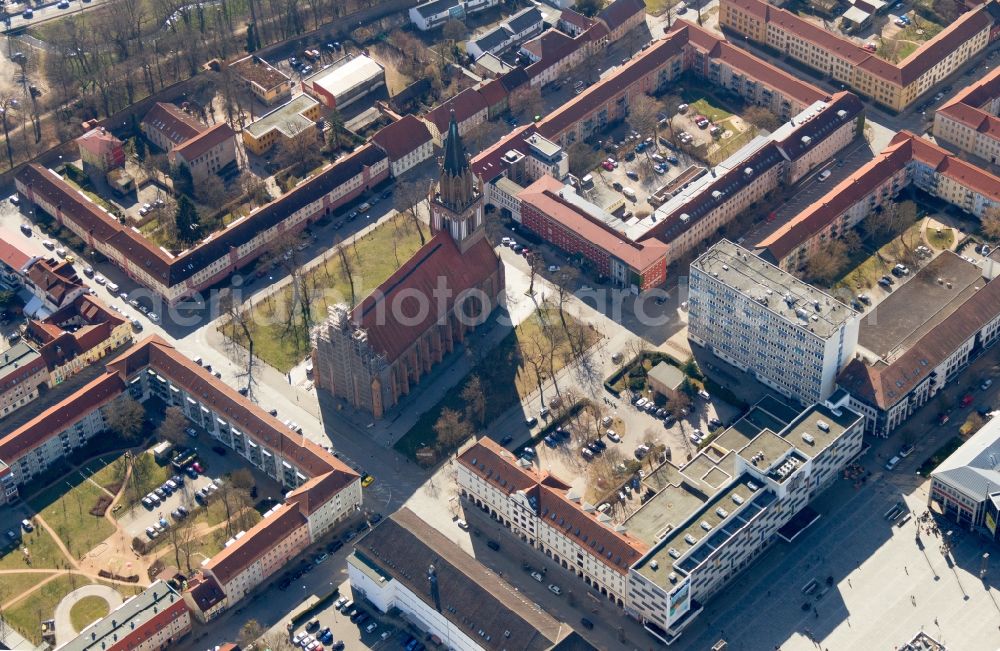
(11, 585)
(504, 372)
(43, 549)
(27, 615)
(704, 106)
(373, 259)
(87, 610)
(65, 506)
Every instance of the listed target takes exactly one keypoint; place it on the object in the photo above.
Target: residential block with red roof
(175, 277)
(100, 149)
(895, 86)
(969, 120)
(321, 490)
(908, 159)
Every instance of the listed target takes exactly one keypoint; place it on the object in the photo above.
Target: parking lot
(216, 466)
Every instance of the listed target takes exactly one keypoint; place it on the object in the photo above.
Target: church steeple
(455, 187)
(456, 205)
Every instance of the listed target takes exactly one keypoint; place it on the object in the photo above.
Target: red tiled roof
(317, 491)
(465, 104)
(12, 256)
(176, 125)
(576, 19)
(256, 542)
(493, 92)
(206, 592)
(966, 107)
(438, 261)
(543, 195)
(968, 175)
(57, 418)
(552, 46)
(919, 62)
(402, 137)
(194, 147)
(495, 464)
(56, 278)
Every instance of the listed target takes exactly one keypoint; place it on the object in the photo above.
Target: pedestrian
(906, 570)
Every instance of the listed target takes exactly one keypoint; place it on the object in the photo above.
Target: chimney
(435, 594)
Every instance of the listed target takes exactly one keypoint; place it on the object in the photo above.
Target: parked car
(892, 463)
(554, 589)
(537, 576)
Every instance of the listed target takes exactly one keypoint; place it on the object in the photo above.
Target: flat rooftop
(782, 293)
(287, 118)
(16, 357)
(342, 79)
(917, 305)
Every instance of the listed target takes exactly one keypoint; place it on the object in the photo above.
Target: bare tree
(990, 223)
(173, 426)
(250, 632)
(565, 280)
(239, 331)
(642, 115)
(409, 195)
(125, 417)
(451, 429)
(346, 266)
(6, 106)
(474, 396)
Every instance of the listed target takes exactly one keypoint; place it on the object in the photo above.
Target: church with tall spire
(456, 203)
(371, 356)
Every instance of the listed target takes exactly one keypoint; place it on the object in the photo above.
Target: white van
(112, 288)
(892, 463)
(365, 207)
(587, 180)
(629, 193)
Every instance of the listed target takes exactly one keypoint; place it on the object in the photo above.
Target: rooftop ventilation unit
(737, 499)
(705, 525)
(654, 564)
(752, 486)
(841, 114)
(721, 512)
(808, 438)
(725, 267)
(806, 140)
(674, 553)
(716, 194)
(748, 171)
(823, 425)
(689, 539)
(685, 218)
(673, 577)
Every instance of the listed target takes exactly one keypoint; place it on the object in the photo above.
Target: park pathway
(64, 623)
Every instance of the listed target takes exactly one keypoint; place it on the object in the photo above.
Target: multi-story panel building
(895, 86)
(791, 336)
(153, 620)
(907, 159)
(549, 516)
(969, 120)
(709, 518)
(920, 338)
(294, 122)
(405, 564)
(176, 277)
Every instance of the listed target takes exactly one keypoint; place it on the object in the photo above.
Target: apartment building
(431, 15)
(557, 214)
(969, 121)
(406, 565)
(208, 153)
(166, 126)
(266, 83)
(518, 28)
(710, 518)
(14, 264)
(550, 516)
(53, 285)
(407, 141)
(789, 335)
(920, 338)
(176, 277)
(291, 123)
(101, 150)
(153, 620)
(621, 16)
(895, 86)
(469, 108)
(908, 159)
(321, 490)
(966, 485)
(76, 336)
(22, 373)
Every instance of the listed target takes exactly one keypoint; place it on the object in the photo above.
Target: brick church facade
(371, 356)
